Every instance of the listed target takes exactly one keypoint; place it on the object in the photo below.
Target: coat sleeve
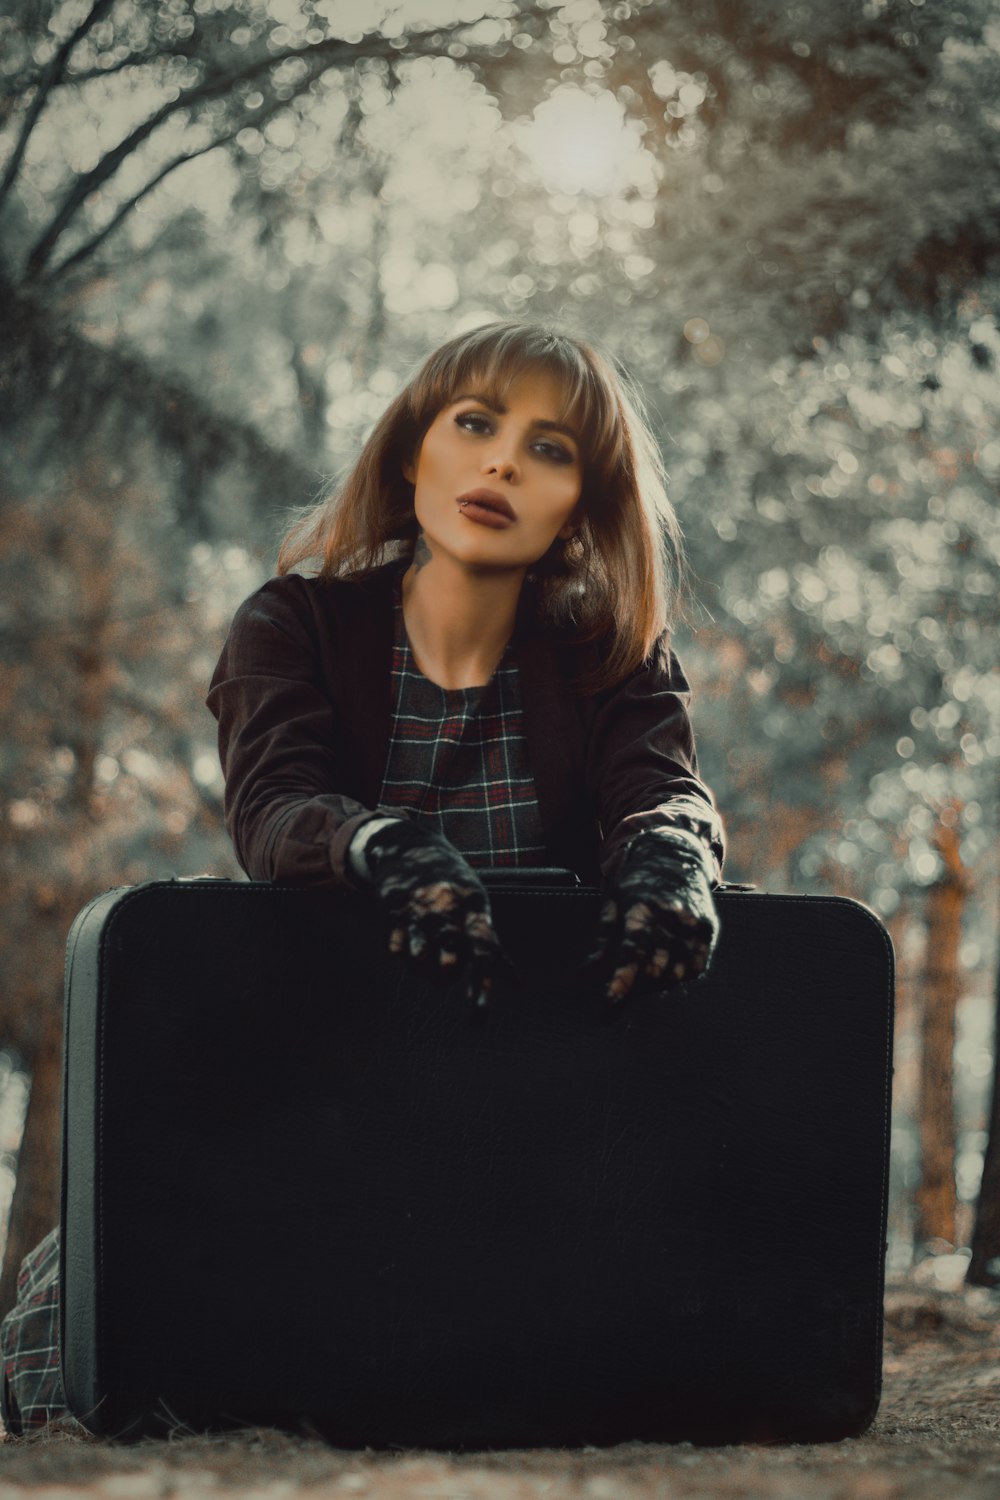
(642, 763)
(278, 743)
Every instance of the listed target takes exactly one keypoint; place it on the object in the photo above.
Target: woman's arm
(278, 742)
(663, 841)
(642, 764)
(282, 753)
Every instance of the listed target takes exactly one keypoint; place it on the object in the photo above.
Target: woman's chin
(487, 555)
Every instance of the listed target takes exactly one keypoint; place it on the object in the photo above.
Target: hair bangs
(489, 360)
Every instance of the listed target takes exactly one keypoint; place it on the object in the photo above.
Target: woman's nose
(503, 465)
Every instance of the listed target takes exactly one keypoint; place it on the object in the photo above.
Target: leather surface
(301, 1185)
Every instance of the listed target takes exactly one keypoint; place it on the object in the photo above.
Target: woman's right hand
(438, 907)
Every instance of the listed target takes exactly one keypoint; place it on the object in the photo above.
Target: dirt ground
(937, 1435)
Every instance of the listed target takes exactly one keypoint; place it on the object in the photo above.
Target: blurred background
(230, 229)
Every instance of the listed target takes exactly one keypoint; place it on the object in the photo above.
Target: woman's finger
(621, 983)
(469, 935)
(477, 926)
(648, 951)
(657, 965)
(604, 937)
(434, 934)
(437, 946)
(686, 939)
(478, 992)
(697, 957)
(639, 937)
(451, 947)
(477, 982)
(417, 941)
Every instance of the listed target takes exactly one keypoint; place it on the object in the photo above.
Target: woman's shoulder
(292, 622)
(587, 660)
(295, 598)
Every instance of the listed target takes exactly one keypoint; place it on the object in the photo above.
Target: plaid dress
(457, 759)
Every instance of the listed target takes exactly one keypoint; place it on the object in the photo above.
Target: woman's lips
(483, 515)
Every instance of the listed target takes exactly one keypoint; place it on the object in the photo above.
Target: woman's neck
(457, 621)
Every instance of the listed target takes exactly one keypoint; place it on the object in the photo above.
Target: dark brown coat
(302, 696)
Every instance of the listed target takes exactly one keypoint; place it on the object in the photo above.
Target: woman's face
(494, 485)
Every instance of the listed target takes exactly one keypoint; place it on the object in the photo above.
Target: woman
(479, 674)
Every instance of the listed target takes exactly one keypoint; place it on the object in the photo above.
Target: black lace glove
(658, 925)
(438, 906)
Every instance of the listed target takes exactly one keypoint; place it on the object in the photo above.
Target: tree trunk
(936, 1198)
(986, 1231)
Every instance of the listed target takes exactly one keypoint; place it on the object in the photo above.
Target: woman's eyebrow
(501, 411)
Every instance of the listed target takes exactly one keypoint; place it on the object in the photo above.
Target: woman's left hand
(658, 924)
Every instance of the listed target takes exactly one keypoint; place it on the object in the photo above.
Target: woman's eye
(474, 421)
(480, 423)
(554, 452)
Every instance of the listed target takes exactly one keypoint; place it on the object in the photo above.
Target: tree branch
(322, 55)
(87, 249)
(44, 359)
(187, 48)
(46, 83)
(209, 88)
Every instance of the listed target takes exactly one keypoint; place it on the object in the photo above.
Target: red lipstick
(487, 508)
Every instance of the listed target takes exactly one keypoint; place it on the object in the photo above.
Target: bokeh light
(580, 143)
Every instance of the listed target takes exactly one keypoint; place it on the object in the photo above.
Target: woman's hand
(658, 925)
(438, 907)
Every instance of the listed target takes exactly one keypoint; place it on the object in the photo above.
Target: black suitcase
(301, 1186)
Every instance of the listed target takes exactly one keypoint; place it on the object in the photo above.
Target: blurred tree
(936, 1195)
(107, 776)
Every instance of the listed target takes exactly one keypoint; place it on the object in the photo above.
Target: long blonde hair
(618, 580)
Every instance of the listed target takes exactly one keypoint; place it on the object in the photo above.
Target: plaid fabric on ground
(31, 1391)
(458, 759)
